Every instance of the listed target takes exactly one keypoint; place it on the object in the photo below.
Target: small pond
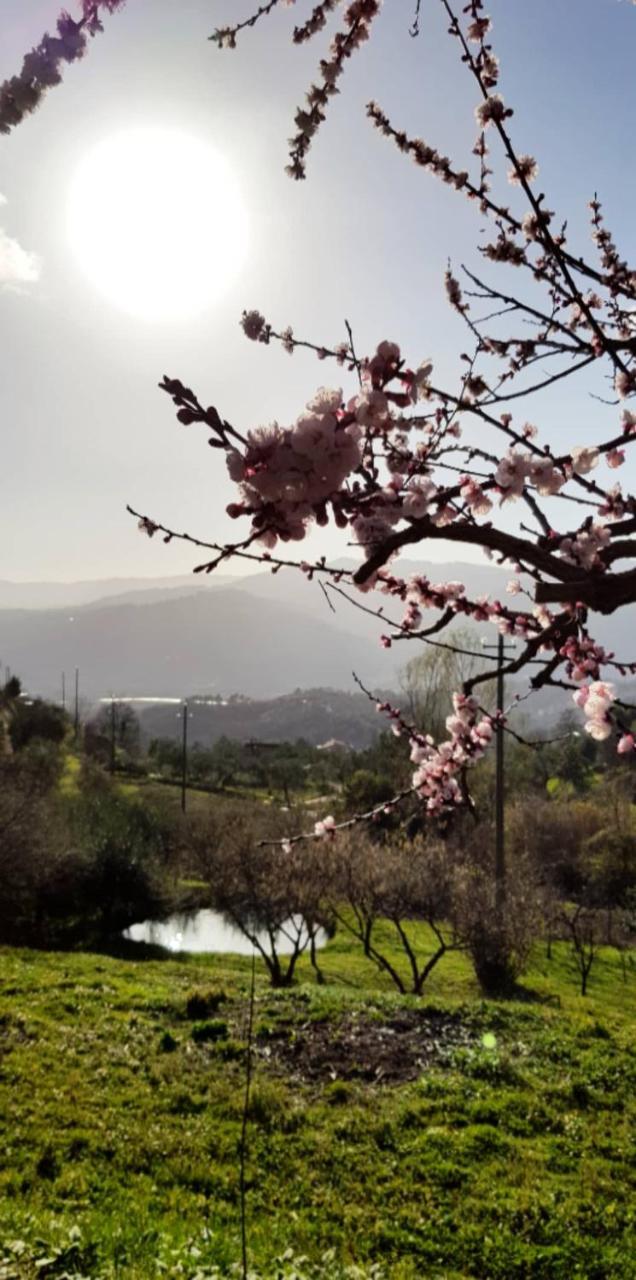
(203, 931)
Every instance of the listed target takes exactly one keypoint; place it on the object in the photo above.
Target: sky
(366, 237)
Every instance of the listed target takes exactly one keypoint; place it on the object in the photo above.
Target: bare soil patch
(373, 1050)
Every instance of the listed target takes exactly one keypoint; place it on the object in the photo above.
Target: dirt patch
(373, 1050)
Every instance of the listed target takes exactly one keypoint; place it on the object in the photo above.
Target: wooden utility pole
(76, 704)
(112, 735)
(500, 842)
(184, 755)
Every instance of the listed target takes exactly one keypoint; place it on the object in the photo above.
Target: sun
(157, 223)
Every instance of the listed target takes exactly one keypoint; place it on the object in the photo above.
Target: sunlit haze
(157, 223)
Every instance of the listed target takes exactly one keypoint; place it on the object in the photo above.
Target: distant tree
(116, 726)
(405, 884)
(9, 701)
(365, 789)
(276, 900)
(499, 941)
(428, 680)
(35, 718)
(165, 753)
(584, 926)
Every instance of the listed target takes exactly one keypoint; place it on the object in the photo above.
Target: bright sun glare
(157, 223)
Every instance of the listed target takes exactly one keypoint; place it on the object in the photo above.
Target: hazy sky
(85, 428)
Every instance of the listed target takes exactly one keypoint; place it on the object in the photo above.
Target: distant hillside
(261, 635)
(223, 640)
(316, 715)
(62, 595)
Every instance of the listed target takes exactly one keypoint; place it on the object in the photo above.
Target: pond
(204, 931)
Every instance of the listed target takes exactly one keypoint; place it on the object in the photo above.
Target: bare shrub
(31, 844)
(403, 884)
(553, 835)
(584, 926)
(272, 895)
(499, 938)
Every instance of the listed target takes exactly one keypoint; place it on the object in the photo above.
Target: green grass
(120, 1127)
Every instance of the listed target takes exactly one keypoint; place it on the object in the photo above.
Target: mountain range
(262, 635)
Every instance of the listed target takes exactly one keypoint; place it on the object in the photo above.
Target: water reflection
(206, 931)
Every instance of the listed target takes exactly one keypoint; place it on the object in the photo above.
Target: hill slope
(221, 640)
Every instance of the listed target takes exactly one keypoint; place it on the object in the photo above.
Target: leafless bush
(499, 934)
(403, 885)
(583, 924)
(274, 897)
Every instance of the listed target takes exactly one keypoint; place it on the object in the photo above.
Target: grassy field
(447, 1138)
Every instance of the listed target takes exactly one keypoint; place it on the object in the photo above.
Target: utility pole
(184, 755)
(112, 735)
(76, 705)
(500, 846)
(63, 691)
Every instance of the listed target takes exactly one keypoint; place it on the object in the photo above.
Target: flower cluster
(358, 18)
(585, 549)
(596, 700)
(583, 657)
(492, 110)
(287, 475)
(517, 468)
(438, 767)
(325, 827)
(476, 500)
(42, 67)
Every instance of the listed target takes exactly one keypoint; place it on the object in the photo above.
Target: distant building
(333, 744)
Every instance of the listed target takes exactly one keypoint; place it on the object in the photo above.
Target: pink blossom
(626, 744)
(325, 827)
(474, 497)
(584, 460)
(596, 699)
(490, 110)
(615, 457)
(546, 478)
(625, 383)
(586, 547)
(417, 499)
(511, 474)
(527, 168)
(372, 409)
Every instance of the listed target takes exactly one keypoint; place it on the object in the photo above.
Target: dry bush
(275, 898)
(581, 849)
(499, 938)
(400, 883)
(553, 836)
(31, 844)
